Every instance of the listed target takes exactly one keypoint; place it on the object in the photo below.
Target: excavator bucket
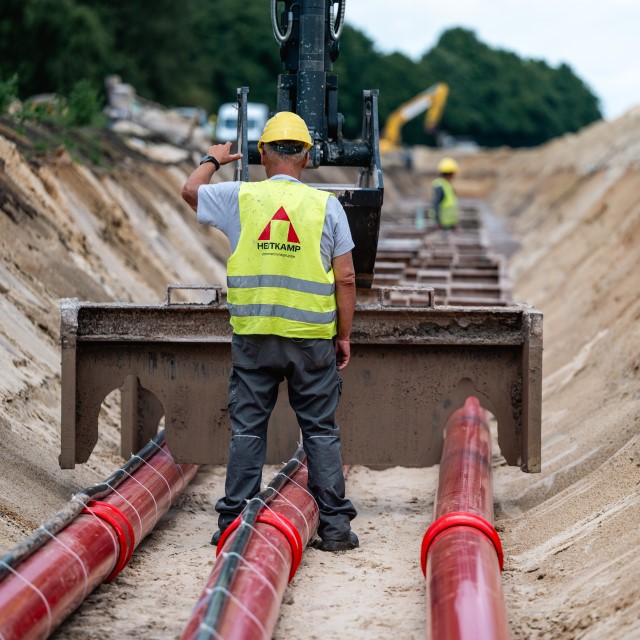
(363, 206)
(362, 200)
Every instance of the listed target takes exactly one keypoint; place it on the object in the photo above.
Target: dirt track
(570, 533)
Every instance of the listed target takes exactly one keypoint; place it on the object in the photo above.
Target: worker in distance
(291, 295)
(444, 203)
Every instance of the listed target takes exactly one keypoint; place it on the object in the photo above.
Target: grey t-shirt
(218, 207)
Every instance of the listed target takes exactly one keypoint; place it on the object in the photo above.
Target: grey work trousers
(260, 363)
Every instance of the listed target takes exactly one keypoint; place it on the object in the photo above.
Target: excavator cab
(308, 32)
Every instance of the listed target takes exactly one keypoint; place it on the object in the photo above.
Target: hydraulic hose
(257, 557)
(281, 38)
(337, 19)
(461, 552)
(49, 575)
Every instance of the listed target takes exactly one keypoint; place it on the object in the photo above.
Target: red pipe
(269, 562)
(461, 552)
(46, 587)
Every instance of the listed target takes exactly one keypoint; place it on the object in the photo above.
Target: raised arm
(204, 172)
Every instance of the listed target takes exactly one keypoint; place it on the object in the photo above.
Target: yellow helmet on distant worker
(447, 165)
(285, 125)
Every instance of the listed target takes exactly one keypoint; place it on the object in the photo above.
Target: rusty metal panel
(411, 367)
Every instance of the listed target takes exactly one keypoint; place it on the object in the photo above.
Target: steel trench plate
(411, 367)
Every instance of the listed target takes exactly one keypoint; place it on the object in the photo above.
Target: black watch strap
(209, 158)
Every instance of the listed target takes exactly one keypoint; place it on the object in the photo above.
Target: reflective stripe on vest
(276, 281)
(449, 204)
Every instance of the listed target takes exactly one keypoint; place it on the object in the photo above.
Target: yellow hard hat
(447, 165)
(285, 125)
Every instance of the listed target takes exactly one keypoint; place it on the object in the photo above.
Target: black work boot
(223, 524)
(350, 542)
(216, 538)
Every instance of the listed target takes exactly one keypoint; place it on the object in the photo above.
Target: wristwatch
(209, 158)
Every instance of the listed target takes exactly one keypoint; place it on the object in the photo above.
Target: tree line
(197, 52)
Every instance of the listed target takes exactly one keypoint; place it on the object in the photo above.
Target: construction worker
(291, 295)
(444, 204)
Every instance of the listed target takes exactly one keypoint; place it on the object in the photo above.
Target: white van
(227, 122)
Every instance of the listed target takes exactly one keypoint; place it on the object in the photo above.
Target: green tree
(8, 92)
(237, 48)
(83, 106)
(360, 66)
(152, 46)
(51, 44)
(197, 52)
(498, 98)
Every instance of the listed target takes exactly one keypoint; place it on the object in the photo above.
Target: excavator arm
(308, 34)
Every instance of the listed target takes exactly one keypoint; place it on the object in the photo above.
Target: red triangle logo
(281, 215)
(292, 236)
(266, 234)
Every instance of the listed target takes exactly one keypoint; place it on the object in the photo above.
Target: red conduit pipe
(461, 552)
(269, 563)
(46, 587)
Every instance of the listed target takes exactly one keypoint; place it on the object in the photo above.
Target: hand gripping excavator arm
(308, 32)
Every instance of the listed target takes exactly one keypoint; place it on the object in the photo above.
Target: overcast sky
(599, 40)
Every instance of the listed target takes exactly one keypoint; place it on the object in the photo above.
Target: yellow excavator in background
(431, 100)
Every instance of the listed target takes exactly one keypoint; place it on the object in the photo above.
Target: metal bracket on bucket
(216, 288)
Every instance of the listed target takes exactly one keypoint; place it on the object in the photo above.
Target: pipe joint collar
(460, 519)
(122, 528)
(283, 525)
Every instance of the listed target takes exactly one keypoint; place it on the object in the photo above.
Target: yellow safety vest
(448, 205)
(276, 282)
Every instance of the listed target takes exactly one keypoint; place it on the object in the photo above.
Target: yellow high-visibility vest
(276, 282)
(448, 206)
